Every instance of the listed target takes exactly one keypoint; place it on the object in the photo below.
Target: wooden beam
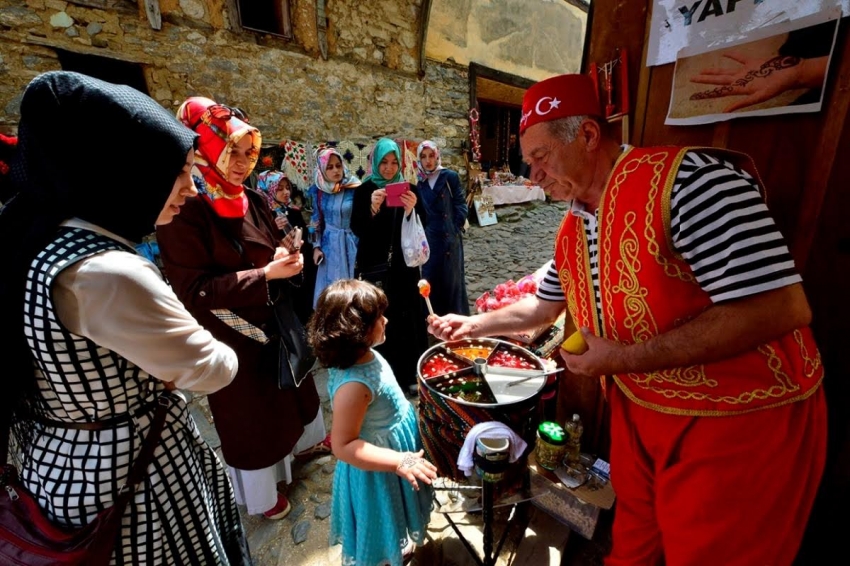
(644, 81)
(821, 167)
(424, 19)
(153, 13)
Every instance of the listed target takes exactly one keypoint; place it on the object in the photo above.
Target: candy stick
(425, 291)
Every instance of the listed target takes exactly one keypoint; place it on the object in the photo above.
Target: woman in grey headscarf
(95, 337)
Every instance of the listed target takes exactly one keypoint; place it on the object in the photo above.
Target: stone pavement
(518, 244)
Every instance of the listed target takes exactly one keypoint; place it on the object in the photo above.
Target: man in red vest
(693, 312)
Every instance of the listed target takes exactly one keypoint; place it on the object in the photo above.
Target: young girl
(380, 506)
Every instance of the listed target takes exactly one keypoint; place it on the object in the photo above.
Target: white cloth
(257, 489)
(120, 301)
(511, 194)
(489, 429)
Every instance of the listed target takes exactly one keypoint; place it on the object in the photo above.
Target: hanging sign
(677, 24)
(779, 69)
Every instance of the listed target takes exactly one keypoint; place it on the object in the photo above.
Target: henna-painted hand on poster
(759, 79)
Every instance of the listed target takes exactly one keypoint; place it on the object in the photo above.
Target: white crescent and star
(553, 103)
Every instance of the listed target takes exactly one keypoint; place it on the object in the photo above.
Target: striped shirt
(719, 225)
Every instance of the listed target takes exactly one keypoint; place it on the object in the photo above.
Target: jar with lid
(551, 445)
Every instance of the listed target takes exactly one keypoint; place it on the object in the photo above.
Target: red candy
(438, 365)
(508, 360)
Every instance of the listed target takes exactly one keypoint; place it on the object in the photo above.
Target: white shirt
(120, 301)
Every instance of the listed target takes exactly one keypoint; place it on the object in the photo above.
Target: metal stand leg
(487, 517)
(487, 504)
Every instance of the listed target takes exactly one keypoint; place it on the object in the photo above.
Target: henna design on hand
(767, 68)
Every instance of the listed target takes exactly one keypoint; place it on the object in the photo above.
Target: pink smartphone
(394, 191)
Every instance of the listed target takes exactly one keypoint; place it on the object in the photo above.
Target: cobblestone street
(520, 242)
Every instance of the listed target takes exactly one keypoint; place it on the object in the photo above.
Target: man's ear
(591, 132)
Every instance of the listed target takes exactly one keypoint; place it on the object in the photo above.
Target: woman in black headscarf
(94, 334)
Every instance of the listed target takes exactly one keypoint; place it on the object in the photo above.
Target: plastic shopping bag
(414, 244)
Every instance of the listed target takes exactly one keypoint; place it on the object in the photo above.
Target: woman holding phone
(380, 260)
(224, 259)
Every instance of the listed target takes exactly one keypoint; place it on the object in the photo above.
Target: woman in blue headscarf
(380, 260)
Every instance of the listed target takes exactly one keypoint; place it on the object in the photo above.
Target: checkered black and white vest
(78, 380)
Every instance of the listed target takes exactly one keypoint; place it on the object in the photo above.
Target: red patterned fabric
(647, 289)
(219, 129)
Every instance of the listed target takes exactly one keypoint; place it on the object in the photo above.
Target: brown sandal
(323, 447)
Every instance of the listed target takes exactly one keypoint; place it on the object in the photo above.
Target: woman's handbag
(378, 274)
(295, 359)
(414, 244)
(27, 537)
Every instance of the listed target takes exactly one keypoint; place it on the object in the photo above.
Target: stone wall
(367, 88)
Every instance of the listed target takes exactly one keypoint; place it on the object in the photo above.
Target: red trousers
(733, 490)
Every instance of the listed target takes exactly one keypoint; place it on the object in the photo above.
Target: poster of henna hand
(780, 69)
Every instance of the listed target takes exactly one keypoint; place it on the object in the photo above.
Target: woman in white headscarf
(334, 244)
(444, 200)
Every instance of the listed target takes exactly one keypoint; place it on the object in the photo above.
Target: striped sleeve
(550, 288)
(722, 228)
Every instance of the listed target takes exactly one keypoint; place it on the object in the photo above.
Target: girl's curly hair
(340, 328)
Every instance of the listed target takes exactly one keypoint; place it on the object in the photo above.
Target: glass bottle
(573, 430)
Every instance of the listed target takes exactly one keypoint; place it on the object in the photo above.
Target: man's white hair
(566, 129)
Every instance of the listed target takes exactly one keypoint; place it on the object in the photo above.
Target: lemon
(575, 344)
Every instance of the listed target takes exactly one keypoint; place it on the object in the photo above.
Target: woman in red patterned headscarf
(224, 260)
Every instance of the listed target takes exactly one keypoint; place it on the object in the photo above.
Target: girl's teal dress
(374, 514)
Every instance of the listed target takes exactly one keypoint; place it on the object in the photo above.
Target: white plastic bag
(414, 244)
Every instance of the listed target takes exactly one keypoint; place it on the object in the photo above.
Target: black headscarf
(88, 149)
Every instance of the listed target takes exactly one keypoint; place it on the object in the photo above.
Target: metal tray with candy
(482, 371)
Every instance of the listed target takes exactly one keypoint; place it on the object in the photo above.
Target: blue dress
(447, 211)
(338, 242)
(374, 513)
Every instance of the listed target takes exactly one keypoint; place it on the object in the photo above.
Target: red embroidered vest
(648, 289)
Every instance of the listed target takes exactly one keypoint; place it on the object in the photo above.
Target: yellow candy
(575, 344)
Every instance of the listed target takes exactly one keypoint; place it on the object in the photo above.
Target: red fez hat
(559, 97)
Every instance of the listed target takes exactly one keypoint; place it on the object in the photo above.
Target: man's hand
(603, 356)
(452, 326)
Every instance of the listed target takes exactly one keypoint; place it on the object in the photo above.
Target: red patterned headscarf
(219, 128)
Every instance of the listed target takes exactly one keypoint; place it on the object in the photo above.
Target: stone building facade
(349, 70)
(358, 78)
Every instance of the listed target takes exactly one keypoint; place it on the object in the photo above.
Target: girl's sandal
(323, 447)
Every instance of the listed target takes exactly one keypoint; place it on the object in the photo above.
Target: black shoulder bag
(379, 274)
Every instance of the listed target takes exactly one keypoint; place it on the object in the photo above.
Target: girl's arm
(350, 403)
